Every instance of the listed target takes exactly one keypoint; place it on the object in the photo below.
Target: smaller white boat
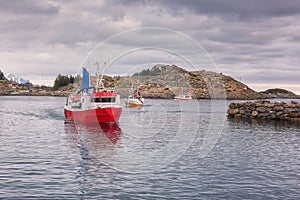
(183, 97)
(187, 96)
(135, 99)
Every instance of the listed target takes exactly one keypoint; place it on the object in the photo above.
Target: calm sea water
(165, 150)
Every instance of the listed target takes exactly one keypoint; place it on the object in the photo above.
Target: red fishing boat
(93, 104)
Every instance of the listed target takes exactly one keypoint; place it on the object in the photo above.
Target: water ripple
(43, 157)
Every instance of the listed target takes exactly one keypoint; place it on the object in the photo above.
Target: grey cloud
(236, 8)
(30, 7)
(269, 78)
(244, 38)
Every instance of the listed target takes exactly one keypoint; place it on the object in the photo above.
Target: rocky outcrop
(265, 110)
(155, 91)
(169, 80)
(278, 93)
(238, 90)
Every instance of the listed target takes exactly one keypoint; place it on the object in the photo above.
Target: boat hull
(134, 102)
(101, 115)
(130, 104)
(182, 98)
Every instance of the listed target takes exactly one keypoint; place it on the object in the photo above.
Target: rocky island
(160, 81)
(166, 81)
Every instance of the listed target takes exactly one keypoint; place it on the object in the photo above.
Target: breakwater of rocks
(265, 110)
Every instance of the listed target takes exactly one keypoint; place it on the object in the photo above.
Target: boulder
(233, 111)
(273, 115)
(294, 114)
(270, 105)
(242, 111)
(295, 102)
(261, 109)
(232, 105)
(237, 115)
(278, 108)
(254, 113)
(263, 115)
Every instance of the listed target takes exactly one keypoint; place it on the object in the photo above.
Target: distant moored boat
(182, 96)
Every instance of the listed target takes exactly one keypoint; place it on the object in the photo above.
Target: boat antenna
(98, 67)
(104, 64)
(99, 81)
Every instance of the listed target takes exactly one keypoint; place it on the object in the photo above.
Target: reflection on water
(264, 122)
(95, 142)
(111, 131)
(44, 158)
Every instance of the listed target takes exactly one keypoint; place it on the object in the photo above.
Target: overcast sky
(255, 41)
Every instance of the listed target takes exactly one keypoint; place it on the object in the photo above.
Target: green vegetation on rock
(63, 81)
(148, 72)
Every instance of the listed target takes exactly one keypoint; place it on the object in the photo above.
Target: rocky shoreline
(8, 88)
(265, 110)
(162, 82)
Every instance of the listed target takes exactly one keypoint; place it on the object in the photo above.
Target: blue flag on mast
(85, 80)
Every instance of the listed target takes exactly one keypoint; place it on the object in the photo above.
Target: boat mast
(99, 83)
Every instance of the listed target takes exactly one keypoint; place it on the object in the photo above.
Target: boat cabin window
(104, 99)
